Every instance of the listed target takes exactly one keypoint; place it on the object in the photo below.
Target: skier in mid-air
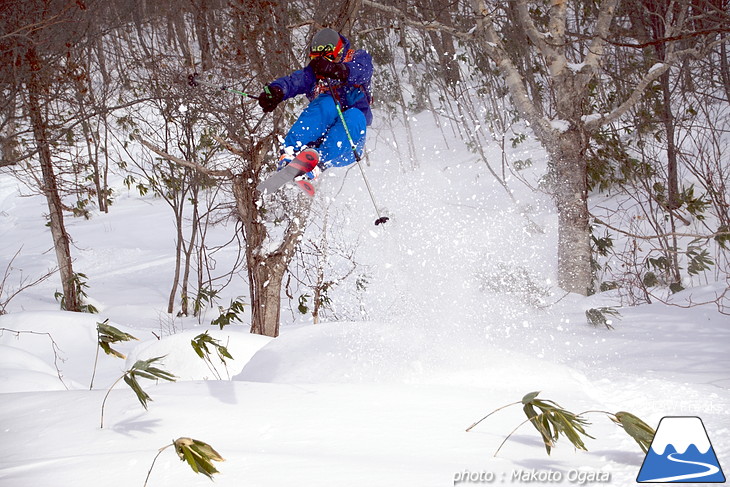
(337, 83)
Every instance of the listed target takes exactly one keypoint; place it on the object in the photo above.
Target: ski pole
(193, 81)
(353, 146)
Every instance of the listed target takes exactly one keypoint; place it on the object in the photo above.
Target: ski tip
(306, 186)
(306, 160)
(310, 154)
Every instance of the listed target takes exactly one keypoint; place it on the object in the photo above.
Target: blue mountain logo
(681, 452)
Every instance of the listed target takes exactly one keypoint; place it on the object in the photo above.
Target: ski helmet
(326, 43)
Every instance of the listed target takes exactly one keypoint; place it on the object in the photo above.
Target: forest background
(628, 99)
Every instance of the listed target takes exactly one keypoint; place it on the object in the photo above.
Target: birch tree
(565, 122)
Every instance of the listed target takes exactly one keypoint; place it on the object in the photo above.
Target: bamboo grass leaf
(142, 396)
(110, 351)
(144, 369)
(160, 374)
(223, 353)
(108, 334)
(198, 455)
(641, 432)
(142, 375)
(200, 346)
(529, 410)
(190, 458)
(553, 420)
(208, 451)
(528, 398)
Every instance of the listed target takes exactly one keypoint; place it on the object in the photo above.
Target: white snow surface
(440, 335)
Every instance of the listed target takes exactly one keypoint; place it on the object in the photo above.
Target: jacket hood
(345, 45)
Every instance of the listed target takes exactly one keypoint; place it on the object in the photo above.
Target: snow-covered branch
(652, 75)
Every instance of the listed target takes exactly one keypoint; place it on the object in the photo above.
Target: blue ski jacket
(351, 93)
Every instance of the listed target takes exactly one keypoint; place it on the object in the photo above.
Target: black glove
(270, 98)
(324, 68)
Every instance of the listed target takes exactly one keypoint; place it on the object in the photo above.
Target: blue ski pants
(320, 126)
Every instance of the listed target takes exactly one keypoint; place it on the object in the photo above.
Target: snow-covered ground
(449, 329)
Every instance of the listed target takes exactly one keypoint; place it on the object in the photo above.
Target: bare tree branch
(603, 25)
(67, 125)
(22, 286)
(229, 147)
(556, 61)
(429, 25)
(54, 347)
(663, 40)
(660, 235)
(192, 165)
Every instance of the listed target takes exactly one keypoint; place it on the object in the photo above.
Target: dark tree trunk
(61, 240)
(265, 267)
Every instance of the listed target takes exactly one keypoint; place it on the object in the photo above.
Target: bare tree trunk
(566, 145)
(445, 43)
(416, 81)
(93, 148)
(266, 305)
(178, 210)
(202, 30)
(266, 267)
(724, 68)
(319, 284)
(672, 181)
(571, 199)
(418, 96)
(188, 251)
(8, 142)
(178, 26)
(61, 240)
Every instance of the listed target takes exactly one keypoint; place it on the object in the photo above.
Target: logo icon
(681, 452)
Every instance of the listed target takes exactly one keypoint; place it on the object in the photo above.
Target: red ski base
(306, 186)
(304, 162)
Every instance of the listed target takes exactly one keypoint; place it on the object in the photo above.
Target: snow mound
(181, 360)
(58, 339)
(369, 352)
(21, 371)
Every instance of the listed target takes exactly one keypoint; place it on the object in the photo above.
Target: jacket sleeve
(361, 68)
(299, 82)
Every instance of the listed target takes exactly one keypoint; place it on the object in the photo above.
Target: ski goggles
(331, 52)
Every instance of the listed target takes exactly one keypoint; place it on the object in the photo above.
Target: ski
(304, 162)
(306, 185)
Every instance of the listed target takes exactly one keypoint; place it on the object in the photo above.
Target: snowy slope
(446, 333)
